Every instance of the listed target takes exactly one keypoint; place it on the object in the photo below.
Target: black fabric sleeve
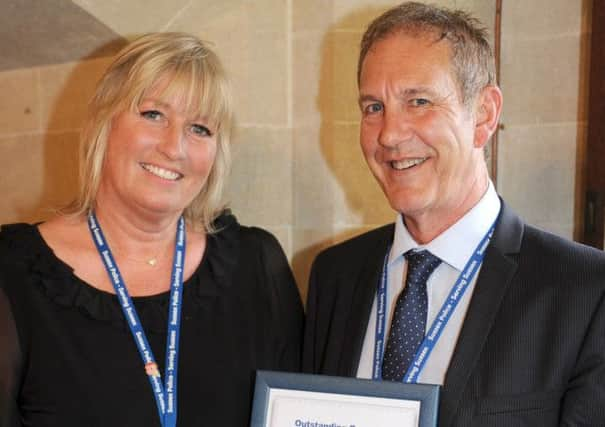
(10, 356)
(310, 333)
(286, 301)
(584, 400)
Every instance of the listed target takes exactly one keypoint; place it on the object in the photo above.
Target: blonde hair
(195, 73)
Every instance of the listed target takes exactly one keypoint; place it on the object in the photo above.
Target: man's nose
(396, 128)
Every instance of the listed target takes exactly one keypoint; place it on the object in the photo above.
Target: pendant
(152, 262)
(151, 369)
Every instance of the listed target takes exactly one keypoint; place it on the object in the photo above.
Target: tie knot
(421, 264)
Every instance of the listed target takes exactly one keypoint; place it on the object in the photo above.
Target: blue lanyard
(165, 394)
(449, 306)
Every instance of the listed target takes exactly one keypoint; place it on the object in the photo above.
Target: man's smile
(407, 163)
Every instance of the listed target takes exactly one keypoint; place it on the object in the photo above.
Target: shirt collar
(456, 244)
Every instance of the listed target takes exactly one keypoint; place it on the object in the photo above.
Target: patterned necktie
(409, 318)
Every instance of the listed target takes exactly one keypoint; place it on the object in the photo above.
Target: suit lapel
(362, 300)
(499, 267)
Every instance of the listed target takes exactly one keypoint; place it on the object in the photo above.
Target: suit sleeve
(9, 365)
(584, 400)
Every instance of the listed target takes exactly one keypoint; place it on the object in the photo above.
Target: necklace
(152, 262)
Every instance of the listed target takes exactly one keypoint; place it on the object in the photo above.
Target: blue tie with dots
(409, 318)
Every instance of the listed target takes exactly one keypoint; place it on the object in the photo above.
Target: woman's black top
(67, 357)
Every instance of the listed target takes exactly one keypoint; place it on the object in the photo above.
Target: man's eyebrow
(404, 94)
(365, 98)
(422, 90)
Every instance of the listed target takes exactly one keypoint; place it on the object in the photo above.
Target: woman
(120, 313)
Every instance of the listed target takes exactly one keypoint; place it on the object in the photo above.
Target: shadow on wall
(358, 203)
(59, 172)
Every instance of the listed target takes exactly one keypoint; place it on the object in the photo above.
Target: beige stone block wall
(298, 169)
(42, 115)
(543, 77)
(38, 174)
(20, 107)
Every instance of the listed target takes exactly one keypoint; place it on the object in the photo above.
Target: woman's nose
(172, 144)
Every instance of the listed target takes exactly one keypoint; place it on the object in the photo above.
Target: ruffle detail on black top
(22, 246)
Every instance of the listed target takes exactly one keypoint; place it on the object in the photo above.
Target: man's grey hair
(472, 56)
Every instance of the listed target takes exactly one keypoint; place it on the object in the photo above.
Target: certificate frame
(427, 395)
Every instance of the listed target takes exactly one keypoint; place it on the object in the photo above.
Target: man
(524, 343)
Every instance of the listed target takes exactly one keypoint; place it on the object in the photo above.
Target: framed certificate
(300, 400)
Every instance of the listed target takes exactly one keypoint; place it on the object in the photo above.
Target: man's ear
(488, 107)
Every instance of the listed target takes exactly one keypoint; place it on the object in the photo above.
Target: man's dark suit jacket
(531, 351)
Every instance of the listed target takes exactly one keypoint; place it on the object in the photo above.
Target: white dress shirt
(454, 247)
